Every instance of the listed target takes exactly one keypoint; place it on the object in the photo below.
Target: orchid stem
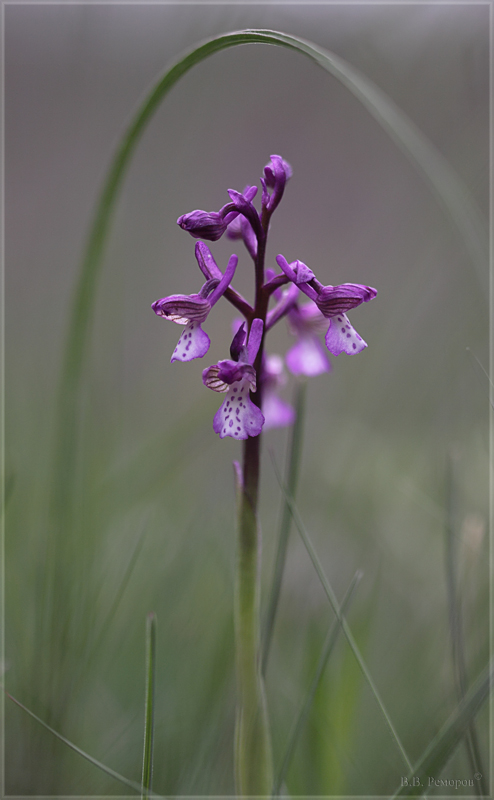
(253, 760)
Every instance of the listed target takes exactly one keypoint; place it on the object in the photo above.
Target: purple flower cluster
(250, 370)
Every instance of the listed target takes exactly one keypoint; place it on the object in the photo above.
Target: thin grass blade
(337, 611)
(442, 747)
(306, 705)
(147, 758)
(292, 471)
(103, 767)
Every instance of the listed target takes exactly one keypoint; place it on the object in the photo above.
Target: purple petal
(222, 375)
(234, 230)
(307, 357)
(193, 343)
(250, 192)
(276, 174)
(286, 301)
(245, 207)
(302, 272)
(307, 319)
(277, 413)
(211, 380)
(238, 417)
(234, 371)
(203, 224)
(342, 337)
(225, 281)
(182, 308)
(255, 337)
(248, 236)
(286, 267)
(238, 340)
(334, 300)
(276, 166)
(206, 262)
(291, 273)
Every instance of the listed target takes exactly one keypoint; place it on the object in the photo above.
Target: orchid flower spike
(237, 417)
(192, 310)
(333, 302)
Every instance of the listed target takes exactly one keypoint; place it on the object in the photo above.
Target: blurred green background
(154, 524)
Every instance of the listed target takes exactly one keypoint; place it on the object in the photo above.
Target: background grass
(154, 493)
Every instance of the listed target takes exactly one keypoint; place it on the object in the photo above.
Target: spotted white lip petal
(238, 417)
(341, 337)
(193, 343)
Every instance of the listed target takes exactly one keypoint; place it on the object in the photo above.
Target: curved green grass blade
(442, 747)
(434, 169)
(337, 612)
(147, 760)
(108, 770)
(306, 705)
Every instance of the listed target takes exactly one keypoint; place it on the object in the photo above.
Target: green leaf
(442, 747)
(108, 770)
(147, 760)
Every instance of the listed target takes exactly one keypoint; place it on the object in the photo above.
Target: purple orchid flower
(237, 417)
(333, 302)
(192, 310)
(211, 225)
(277, 413)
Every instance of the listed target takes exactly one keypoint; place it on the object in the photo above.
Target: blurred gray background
(380, 428)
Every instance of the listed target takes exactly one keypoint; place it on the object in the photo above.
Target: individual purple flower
(211, 225)
(276, 174)
(208, 225)
(192, 310)
(277, 412)
(333, 302)
(307, 356)
(237, 417)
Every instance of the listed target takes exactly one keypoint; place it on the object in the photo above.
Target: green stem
(253, 760)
